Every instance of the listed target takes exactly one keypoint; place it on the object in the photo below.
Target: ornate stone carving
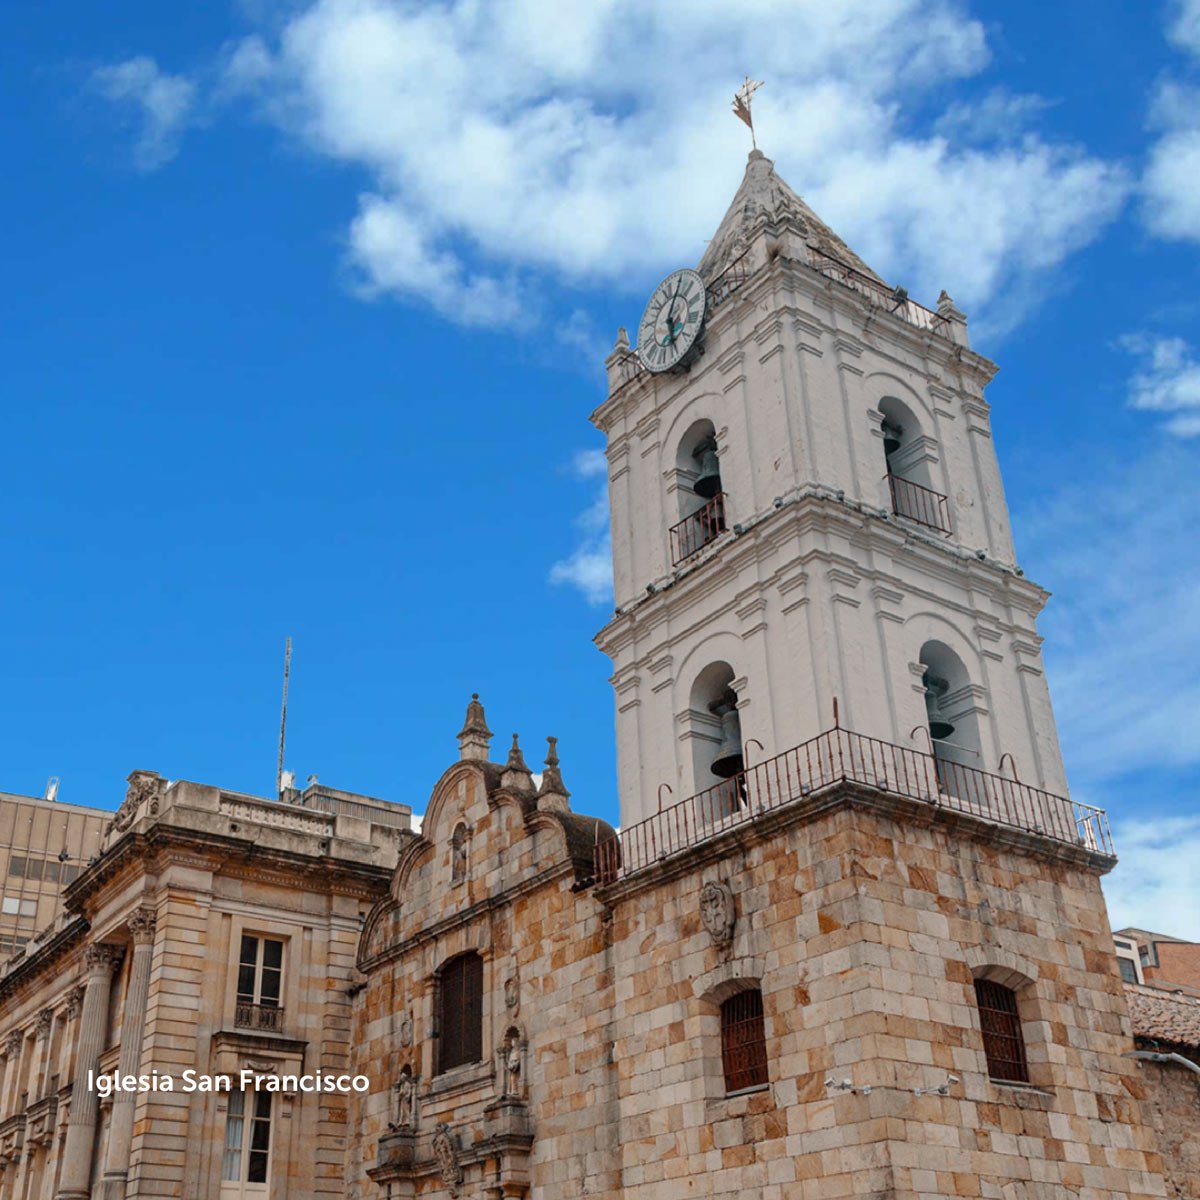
(75, 1000)
(45, 1019)
(511, 1055)
(141, 925)
(102, 956)
(406, 1030)
(15, 1041)
(512, 993)
(143, 786)
(458, 854)
(718, 913)
(446, 1153)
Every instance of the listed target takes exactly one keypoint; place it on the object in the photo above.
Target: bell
(891, 438)
(728, 760)
(708, 482)
(939, 727)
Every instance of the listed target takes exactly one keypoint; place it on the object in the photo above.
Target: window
(16, 866)
(743, 1041)
(460, 1011)
(15, 906)
(1003, 1041)
(246, 1161)
(1128, 969)
(260, 979)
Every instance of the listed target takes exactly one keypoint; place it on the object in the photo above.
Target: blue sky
(306, 304)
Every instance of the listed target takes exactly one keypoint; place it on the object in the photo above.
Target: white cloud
(163, 104)
(503, 140)
(589, 566)
(1155, 884)
(1171, 197)
(1169, 380)
(1117, 544)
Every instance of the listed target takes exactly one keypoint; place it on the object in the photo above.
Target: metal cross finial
(741, 104)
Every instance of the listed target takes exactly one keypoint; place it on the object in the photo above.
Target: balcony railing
(920, 504)
(892, 300)
(697, 529)
(840, 756)
(258, 1016)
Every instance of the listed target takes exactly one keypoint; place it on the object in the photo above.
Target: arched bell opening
(715, 730)
(951, 718)
(699, 491)
(908, 452)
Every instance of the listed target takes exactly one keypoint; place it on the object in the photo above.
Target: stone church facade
(849, 939)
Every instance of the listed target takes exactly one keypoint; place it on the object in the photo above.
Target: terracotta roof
(1162, 1016)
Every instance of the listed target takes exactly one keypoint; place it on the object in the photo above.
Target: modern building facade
(849, 939)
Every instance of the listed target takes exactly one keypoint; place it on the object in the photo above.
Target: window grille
(743, 1041)
(460, 1004)
(1003, 1042)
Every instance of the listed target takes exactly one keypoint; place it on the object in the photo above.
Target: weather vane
(741, 105)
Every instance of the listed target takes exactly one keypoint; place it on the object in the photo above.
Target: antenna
(287, 664)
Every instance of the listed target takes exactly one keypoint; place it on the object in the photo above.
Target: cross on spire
(741, 105)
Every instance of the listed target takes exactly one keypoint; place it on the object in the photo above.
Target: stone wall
(1173, 1108)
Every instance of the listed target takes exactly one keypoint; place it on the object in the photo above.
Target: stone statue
(406, 1091)
(458, 855)
(447, 1157)
(512, 1068)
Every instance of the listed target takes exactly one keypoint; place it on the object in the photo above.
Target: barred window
(1003, 1041)
(743, 1041)
(460, 1012)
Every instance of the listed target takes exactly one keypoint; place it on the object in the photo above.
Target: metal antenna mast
(287, 663)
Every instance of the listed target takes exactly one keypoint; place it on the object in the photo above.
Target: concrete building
(848, 941)
(44, 844)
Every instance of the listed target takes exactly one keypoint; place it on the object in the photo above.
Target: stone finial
(553, 793)
(947, 308)
(474, 737)
(622, 342)
(517, 776)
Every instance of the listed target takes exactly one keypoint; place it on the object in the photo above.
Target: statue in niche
(406, 1095)
(511, 1062)
(458, 854)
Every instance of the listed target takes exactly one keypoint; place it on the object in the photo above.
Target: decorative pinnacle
(622, 342)
(475, 736)
(516, 760)
(552, 782)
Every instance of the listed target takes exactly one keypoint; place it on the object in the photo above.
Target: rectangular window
(15, 906)
(260, 971)
(50, 870)
(1003, 1040)
(247, 1141)
(460, 1033)
(70, 873)
(743, 1041)
(16, 866)
(33, 868)
(1128, 970)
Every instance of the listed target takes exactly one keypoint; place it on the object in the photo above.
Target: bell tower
(807, 508)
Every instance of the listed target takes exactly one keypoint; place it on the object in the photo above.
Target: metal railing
(892, 300)
(841, 756)
(919, 503)
(697, 529)
(258, 1016)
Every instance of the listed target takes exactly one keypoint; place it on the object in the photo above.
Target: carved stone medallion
(447, 1155)
(406, 1030)
(512, 994)
(718, 913)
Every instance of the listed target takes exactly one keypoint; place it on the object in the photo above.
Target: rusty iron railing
(697, 529)
(892, 300)
(841, 756)
(919, 503)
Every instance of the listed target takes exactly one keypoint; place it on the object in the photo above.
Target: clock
(672, 321)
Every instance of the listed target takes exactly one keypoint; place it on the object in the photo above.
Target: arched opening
(716, 733)
(951, 718)
(906, 451)
(700, 492)
(1003, 1032)
(743, 1041)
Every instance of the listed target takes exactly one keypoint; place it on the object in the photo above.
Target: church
(849, 939)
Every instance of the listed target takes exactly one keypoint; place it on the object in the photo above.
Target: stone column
(42, 1067)
(81, 1128)
(133, 1020)
(15, 1045)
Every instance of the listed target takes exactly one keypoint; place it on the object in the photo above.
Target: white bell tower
(811, 509)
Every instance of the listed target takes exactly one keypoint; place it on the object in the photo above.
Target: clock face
(672, 320)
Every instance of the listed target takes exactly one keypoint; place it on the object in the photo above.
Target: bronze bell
(939, 727)
(708, 482)
(891, 438)
(728, 760)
